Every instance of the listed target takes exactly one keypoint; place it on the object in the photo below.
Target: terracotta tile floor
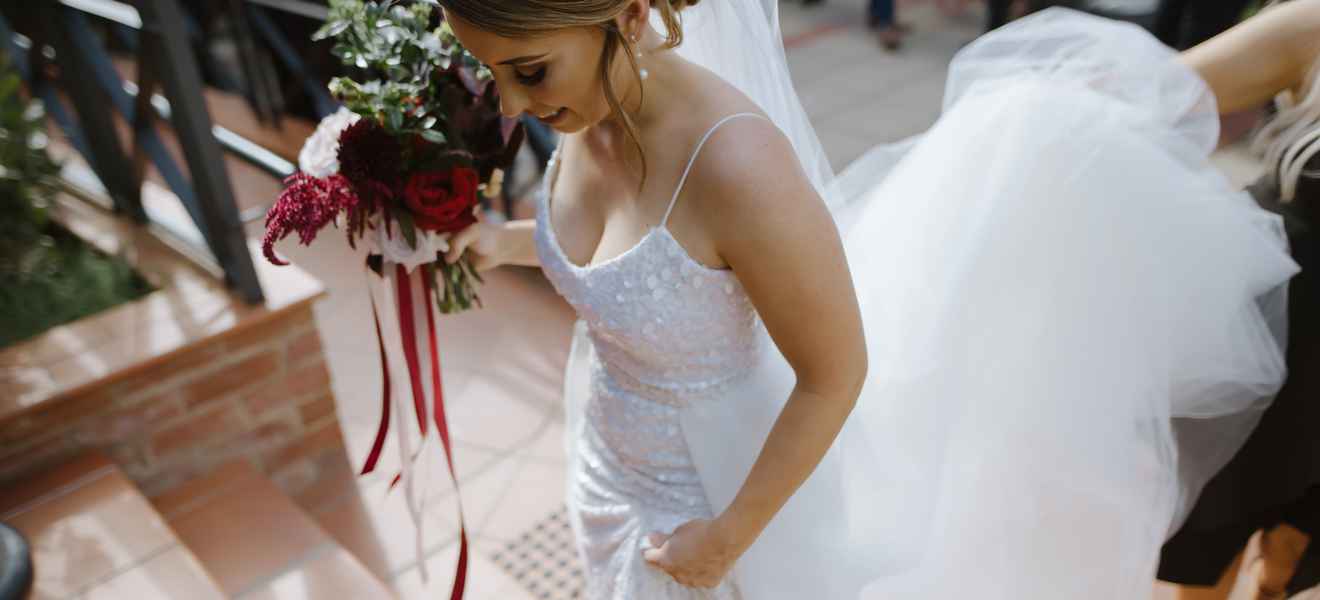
(502, 365)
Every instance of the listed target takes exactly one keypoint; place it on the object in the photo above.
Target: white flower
(394, 248)
(320, 153)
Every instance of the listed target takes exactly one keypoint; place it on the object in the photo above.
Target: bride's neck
(650, 101)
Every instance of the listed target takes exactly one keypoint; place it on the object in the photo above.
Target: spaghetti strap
(692, 161)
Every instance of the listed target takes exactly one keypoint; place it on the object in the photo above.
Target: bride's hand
(696, 555)
(483, 242)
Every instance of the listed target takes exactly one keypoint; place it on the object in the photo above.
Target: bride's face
(553, 77)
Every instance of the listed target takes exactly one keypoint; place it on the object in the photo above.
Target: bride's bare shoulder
(747, 166)
(738, 147)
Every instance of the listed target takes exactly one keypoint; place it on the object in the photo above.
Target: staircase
(232, 533)
(229, 534)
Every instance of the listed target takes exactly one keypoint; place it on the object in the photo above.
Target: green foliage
(57, 280)
(413, 78)
(399, 50)
(47, 275)
(27, 174)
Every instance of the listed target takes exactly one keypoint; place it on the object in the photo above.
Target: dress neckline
(552, 176)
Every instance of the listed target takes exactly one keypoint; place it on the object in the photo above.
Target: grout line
(355, 489)
(148, 557)
(474, 532)
(318, 551)
(503, 495)
(61, 491)
(515, 447)
(427, 554)
(503, 454)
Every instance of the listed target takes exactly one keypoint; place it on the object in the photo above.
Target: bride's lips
(553, 117)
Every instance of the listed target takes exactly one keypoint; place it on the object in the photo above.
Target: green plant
(48, 276)
(27, 174)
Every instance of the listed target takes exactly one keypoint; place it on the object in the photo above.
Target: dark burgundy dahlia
(369, 153)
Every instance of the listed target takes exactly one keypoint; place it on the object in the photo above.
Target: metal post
(322, 103)
(262, 88)
(106, 156)
(88, 52)
(179, 77)
(144, 115)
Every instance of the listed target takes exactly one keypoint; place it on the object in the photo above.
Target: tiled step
(94, 535)
(259, 544)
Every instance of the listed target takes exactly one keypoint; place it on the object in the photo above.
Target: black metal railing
(169, 42)
(264, 26)
(64, 40)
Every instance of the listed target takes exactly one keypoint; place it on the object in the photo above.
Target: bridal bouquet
(401, 167)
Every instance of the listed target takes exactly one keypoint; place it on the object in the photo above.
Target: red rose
(442, 201)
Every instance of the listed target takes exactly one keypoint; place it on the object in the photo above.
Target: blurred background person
(881, 18)
(1270, 492)
(1182, 24)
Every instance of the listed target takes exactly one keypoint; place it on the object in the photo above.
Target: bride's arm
(1249, 64)
(772, 228)
(490, 245)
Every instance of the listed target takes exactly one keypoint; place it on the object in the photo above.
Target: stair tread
(333, 574)
(43, 484)
(171, 575)
(257, 541)
(188, 496)
(93, 532)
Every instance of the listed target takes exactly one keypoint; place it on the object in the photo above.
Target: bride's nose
(513, 101)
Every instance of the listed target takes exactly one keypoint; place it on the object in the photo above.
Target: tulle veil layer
(1072, 322)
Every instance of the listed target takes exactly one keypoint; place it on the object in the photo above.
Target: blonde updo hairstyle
(530, 18)
(1290, 141)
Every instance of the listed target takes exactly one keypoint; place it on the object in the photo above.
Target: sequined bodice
(668, 332)
(659, 320)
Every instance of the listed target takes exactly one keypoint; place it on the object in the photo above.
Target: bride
(950, 371)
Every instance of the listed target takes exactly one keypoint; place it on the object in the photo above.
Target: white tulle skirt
(1072, 322)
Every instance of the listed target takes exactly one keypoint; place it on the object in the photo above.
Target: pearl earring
(641, 72)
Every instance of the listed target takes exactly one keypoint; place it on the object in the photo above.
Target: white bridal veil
(1072, 322)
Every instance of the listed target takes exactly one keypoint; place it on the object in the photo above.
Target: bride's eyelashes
(530, 79)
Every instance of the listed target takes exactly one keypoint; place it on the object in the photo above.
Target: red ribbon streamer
(442, 428)
(409, 331)
(376, 447)
(409, 338)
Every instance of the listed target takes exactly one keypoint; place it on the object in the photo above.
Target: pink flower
(306, 206)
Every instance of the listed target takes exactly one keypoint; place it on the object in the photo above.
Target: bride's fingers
(657, 554)
(657, 557)
(460, 242)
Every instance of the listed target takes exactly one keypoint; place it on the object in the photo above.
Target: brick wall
(261, 392)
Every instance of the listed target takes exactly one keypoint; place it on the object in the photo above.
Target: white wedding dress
(1051, 280)
(667, 332)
